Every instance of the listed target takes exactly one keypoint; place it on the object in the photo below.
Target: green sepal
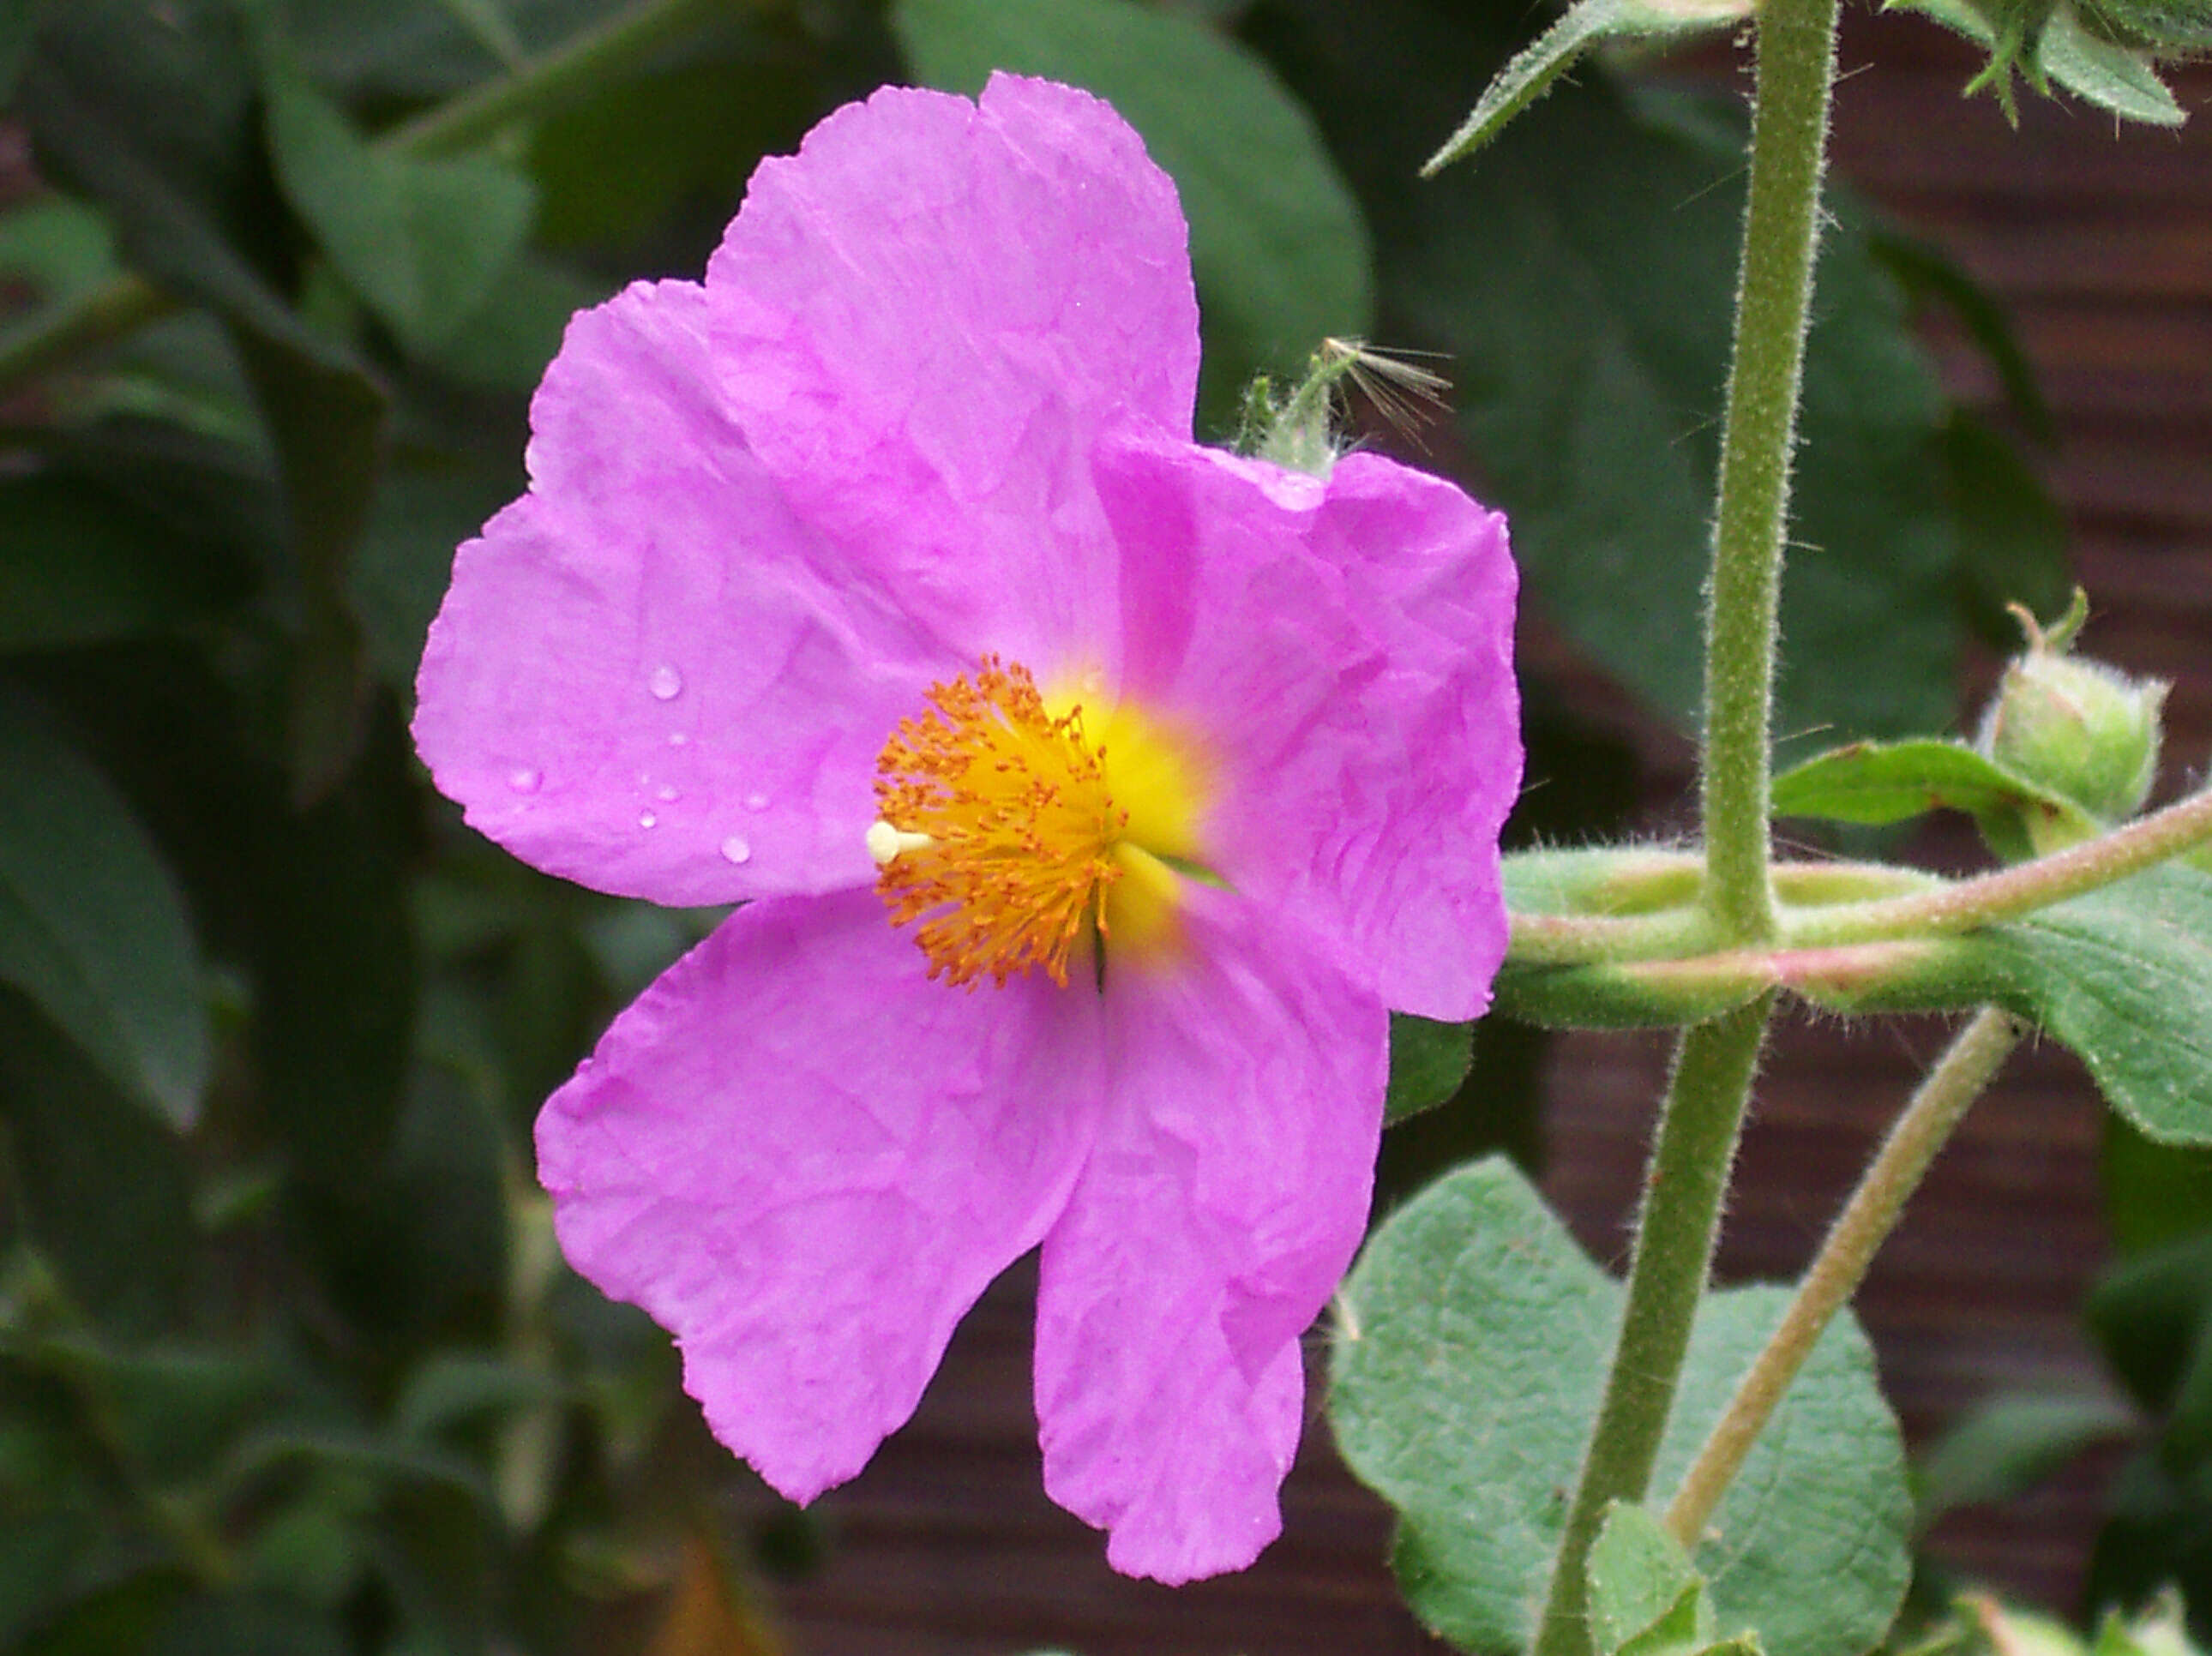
(2055, 47)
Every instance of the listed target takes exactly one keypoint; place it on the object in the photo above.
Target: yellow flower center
(1015, 828)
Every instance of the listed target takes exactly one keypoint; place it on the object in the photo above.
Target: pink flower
(1091, 794)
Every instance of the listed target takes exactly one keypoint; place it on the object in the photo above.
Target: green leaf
(1641, 1584)
(505, 347)
(245, 1624)
(2124, 976)
(2152, 1315)
(453, 1389)
(487, 22)
(1277, 242)
(334, 967)
(18, 20)
(80, 564)
(1472, 1342)
(2107, 74)
(426, 243)
(2113, 76)
(92, 926)
(2007, 1445)
(405, 559)
(2154, 1193)
(1428, 1061)
(614, 165)
(1882, 782)
(1529, 76)
(326, 422)
(103, 1188)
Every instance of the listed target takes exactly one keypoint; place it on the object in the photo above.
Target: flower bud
(2084, 730)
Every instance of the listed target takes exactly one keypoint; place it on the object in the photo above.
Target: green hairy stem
(1926, 1125)
(1796, 66)
(1715, 1061)
(1682, 1195)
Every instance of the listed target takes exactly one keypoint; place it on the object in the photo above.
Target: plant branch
(1683, 1188)
(1960, 1077)
(1789, 139)
(2022, 889)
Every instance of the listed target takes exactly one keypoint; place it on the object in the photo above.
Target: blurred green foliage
(288, 1360)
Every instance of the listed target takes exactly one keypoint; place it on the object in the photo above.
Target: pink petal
(806, 1161)
(1223, 1200)
(1345, 649)
(648, 675)
(925, 317)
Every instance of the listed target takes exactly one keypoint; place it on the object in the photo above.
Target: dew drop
(677, 738)
(666, 683)
(735, 849)
(647, 819)
(523, 779)
(667, 795)
(757, 801)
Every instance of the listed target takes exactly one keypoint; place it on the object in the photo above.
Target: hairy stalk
(2020, 889)
(1796, 66)
(1682, 1192)
(536, 87)
(1714, 1064)
(1860, 1229)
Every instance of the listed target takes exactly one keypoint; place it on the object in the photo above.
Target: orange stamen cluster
(1005, 829)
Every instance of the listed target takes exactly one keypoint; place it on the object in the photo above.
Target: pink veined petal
(806, 1161)
(1222, 1202)
(648, 675)
(1344, 650)
(925, 318)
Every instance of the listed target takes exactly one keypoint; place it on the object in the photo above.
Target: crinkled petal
(925, 318)
(648, 674)
(806, 1161)
(1343, 652)
(1222, 1202)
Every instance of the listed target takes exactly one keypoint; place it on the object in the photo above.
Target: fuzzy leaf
(1472, 1342)
(92, 926)
(2124, 976)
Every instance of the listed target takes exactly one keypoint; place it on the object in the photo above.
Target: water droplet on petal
(523, 779)
(735, 849)
(757, 801)
(647, 819)
(667, 795)
(677, 738)
(666, 683)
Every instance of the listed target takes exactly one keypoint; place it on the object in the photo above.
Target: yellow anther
(999, 835)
